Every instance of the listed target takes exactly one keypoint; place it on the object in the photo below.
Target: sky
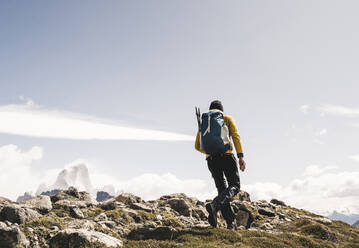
(114, 84)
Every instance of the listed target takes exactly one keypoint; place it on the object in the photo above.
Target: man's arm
(233, 132)
(197, 144)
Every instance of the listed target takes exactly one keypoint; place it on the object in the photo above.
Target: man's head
(216, 104)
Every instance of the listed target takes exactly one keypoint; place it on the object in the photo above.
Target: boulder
(81, 224)
(266, 226)
(141, 206)
(242, 196)
(75, 212)
(73, 197)
(82, 238)
(101, 217)
(41, 203)
(278, 202)
(5, 201)
(11, 236)
(200, 213)
(128, 199)
(159, 233)
(244, 216)
(181, 206)
(266, 211)
(111, 204)
(319, 231)
(18, 214)
(175, 195)
(324, 221)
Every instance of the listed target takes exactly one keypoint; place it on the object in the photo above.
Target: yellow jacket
(233, 135)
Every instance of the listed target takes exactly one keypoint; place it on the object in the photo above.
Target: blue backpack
(214, 133)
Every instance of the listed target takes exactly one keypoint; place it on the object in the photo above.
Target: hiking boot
(212, 217)
(232, 226)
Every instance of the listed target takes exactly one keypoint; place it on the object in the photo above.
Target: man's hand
(242, 164)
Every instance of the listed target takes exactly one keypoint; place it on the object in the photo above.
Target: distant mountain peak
(73, 176)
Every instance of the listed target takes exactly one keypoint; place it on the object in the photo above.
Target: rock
(244, 216)
(102, 196)
(73, 197)
(266, 226)
(54, 228)
(128, 199)
(41, 203)
(17, 214)
(243, 219)
(200, 212)
(76, 212)
(12, 237)
(5, 201)
(266, 211)
(278, 202)
(109, 223)
(101, 217)
(242, 196)
(176, 195)
(319, 231)
(141, 206)
(27, 196)
(324, 221)
(159, 233)
(81, 224)
(111, 204)
(181, 206)
(82, 238)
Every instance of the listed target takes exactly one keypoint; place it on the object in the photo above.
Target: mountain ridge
(176, 220)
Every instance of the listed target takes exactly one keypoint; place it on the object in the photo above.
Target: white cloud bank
(304, 108)
(32, 120)
(337, 110)
(16, 175)
(320, 189)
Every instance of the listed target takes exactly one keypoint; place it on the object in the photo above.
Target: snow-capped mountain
(76, 176)
(346, 217)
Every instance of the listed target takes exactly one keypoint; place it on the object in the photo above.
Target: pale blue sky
(148, 63)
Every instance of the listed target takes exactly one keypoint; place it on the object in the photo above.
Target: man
(223, 166)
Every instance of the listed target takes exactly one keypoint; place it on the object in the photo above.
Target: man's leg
(230, 170)
(215, 167)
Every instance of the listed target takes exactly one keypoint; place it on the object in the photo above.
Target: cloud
(322, 189)
(16, 174)
(321, 132)
(304, 109)
(337, 110)
(318, 190)
(316, 170)
(355, 158)
(30, 119)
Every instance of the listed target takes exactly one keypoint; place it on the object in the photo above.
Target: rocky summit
(74, 219)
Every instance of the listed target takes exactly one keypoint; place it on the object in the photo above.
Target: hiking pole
(198, 115)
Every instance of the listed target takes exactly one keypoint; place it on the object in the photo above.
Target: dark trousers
(224, 169)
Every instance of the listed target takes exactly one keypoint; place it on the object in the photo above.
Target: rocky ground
(73, 219)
